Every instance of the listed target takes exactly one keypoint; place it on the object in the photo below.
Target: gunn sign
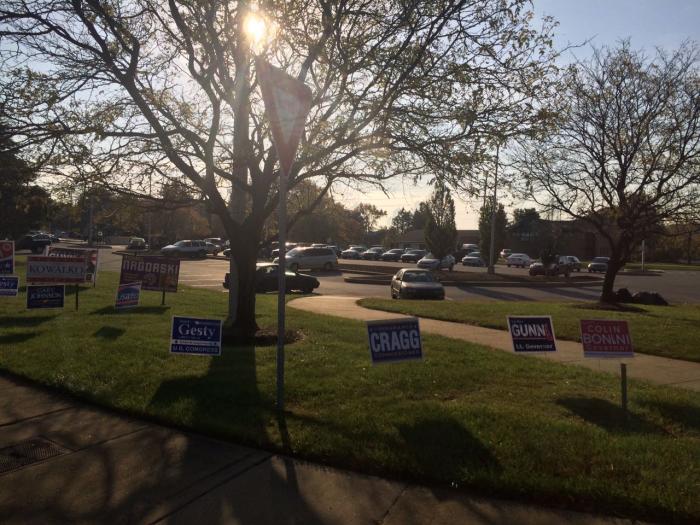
(190, 335)
(394, 340)
(532, 334)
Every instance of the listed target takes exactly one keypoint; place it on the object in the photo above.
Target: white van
(311, 258)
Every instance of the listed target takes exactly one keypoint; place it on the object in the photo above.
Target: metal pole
(643, 249)
(623, 385)
(77, 290)
(492, 248)
(92, 206)
(281, 285)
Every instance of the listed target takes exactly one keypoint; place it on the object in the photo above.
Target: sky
(647, 23)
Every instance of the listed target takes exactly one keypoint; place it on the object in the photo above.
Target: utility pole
(492, 247)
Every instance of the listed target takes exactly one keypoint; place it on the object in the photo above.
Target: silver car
(311, 258)
(429, 262)
(410, 283)
(185, 249)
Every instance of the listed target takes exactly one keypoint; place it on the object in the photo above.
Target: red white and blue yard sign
(7, 257)
(606, 338)
(128, 295)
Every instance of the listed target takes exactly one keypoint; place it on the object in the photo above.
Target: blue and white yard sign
(191, 335)
(532, 334)
(394, 340)
(9, 285)
(128, 295)
(48, 296)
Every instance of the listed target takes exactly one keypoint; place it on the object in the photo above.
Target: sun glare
(255, 29)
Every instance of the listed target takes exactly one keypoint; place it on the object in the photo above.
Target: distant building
(574, 237)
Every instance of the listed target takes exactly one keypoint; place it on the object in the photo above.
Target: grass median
(667, 331)
(465, 416)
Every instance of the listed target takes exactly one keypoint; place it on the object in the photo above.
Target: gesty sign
(154, 273)
(191, 335)
(7, 257)
(606, 338)
(532, 333)
(64, 270)
(394, 340)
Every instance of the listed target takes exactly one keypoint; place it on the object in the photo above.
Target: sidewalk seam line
(393, 503)
(29, 418)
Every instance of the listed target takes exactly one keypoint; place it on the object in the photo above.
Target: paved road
(676, 286)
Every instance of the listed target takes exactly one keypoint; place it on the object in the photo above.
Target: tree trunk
(240, 326)
(608, 293)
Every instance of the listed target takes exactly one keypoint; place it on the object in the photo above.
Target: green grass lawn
(467, 417)
(668, 331)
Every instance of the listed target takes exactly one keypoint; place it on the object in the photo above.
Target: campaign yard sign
(128, 295)
(46, 270)
(394, 340)
(9, 285)
(606, 338)
(154, 273)
(7, 257)
(91, 256)
(191, 335)
(52, 296)
(532, 333)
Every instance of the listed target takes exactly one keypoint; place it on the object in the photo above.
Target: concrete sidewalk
(660, 370)
(62, 461)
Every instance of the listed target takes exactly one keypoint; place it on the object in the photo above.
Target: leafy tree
(24, 206)
(485, 216)
(625, 152)
(440, 229)
(120, 92)
(402, 221)
(420, 216)
(368, 215)
(524, 217)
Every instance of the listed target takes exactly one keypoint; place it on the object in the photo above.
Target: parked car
(469, 248)
(289, 246)
(266, 280)
(410, 283)
(226, 253)
(185, 248)
(473, 259)
(560, 267)
(413, 256)
(354, 252)
(518, 259)
(392, 255)
(335, 249)
(431, 263)
(313, 258)
(212, 248)
(505, 253)
(374, 253)
(137, 244)
(574, 263)
(217, 241)
(599, 264)
(34, 242)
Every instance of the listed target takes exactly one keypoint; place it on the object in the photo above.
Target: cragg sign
(394, 340)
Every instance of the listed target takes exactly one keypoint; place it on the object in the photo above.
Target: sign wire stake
(623, 386)
(77, 290)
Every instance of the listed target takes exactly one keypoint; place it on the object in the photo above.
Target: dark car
(137, 244)
(599, 264)
(411, 283)
(413, 256)
(266, 280)
(473, 259)
(374, 253)
(560, 267)
(574, 263)
(36, 243)
(392, 255)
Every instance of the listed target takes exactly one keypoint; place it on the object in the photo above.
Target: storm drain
(27, 452)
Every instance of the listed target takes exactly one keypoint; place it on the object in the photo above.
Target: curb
(493, 284)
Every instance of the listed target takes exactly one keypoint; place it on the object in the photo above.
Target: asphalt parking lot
(675, 286)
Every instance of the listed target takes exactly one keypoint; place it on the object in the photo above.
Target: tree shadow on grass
(25, 321)
(16, 338)
(146, 310)
(682, 413)
(109, 332)
(608, 416)
(445, 446)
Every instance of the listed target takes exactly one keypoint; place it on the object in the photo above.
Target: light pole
(492, 246)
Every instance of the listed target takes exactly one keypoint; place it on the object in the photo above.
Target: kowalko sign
(154, 273)
(58, 270)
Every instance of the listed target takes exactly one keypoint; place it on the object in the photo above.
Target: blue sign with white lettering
(532, 333)
(9, 285)
(50, 296)
(191, 335)
(394, 340)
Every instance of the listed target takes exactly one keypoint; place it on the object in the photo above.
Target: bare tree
(151, 92)
(624, 156)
